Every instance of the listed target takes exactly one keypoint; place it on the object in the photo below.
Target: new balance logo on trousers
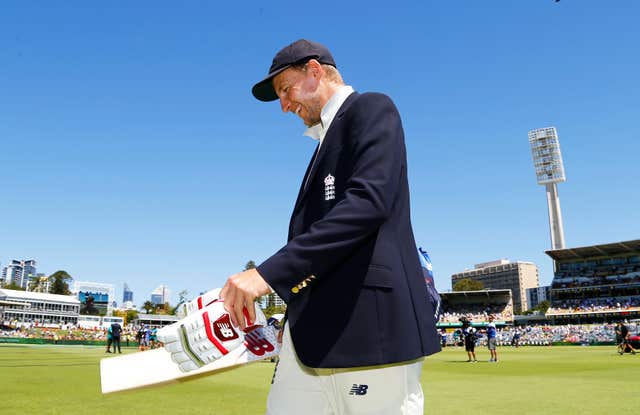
(358, 389)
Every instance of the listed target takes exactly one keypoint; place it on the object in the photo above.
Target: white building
(41, 308)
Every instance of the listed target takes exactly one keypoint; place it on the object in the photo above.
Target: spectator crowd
(545, 335)
(63, 332)
(595, 305)
(478, 312)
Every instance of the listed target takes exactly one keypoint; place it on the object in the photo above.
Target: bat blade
(155, 367)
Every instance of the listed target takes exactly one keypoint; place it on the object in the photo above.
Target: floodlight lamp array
(547, 158)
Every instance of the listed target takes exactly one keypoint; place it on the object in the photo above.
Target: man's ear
(315, 68)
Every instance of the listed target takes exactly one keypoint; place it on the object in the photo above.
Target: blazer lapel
(302, 187)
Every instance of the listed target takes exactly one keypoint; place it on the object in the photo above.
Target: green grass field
(528, 380)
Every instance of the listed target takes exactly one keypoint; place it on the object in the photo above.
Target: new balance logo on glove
(222, 328)
(358, 390)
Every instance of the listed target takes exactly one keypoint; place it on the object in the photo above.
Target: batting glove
(205, 336)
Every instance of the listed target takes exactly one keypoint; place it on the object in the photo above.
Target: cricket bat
(155, 367)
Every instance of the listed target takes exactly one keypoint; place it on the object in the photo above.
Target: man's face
(298, 93)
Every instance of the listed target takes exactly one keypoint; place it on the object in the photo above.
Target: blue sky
(131, 149)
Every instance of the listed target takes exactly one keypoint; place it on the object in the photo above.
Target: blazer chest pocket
(379, 277)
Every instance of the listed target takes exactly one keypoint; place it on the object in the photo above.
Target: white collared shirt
(329, 111)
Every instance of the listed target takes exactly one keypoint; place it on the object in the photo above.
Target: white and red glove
(198, 303)
(206, 335)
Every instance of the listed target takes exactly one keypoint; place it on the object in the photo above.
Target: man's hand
(240, 292)
(205, 335)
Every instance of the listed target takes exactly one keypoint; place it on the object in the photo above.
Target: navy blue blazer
(350, 273)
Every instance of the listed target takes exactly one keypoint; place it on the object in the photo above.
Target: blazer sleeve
(376, 143)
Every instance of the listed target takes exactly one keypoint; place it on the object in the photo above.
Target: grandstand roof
(33, 296)
(585, 252)
(478, 293)
(156, 317)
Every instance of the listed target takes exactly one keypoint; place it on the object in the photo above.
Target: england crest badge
(329, 187)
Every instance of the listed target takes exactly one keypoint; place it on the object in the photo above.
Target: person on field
(359, 319)
(352, 207)
(492, 341)
(470, 337)
(116, 332)
(626, 344)
(619, 338)
(109, 340)
(443, 335)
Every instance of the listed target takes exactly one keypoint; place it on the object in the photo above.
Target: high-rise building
(127, 294)
(504, 274)
(160, 295)
(19, 272)
(537, 295)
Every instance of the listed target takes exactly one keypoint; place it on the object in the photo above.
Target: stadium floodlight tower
(547, 161)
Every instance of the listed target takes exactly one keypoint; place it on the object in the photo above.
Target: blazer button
(295, 290)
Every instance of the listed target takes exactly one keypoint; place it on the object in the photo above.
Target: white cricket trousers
(377, 390)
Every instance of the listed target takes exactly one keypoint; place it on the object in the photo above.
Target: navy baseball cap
(298, 52)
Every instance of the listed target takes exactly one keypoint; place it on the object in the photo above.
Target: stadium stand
(596, 283)
(476, 306)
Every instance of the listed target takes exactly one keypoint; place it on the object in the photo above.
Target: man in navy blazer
(358, 318)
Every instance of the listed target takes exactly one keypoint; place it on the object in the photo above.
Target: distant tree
(162, 308)
(60, 283)
(130, 315)
(542, 306)
(127, 315)
(250, 265)
(148, 306)
(13, 286)
(468, 284)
